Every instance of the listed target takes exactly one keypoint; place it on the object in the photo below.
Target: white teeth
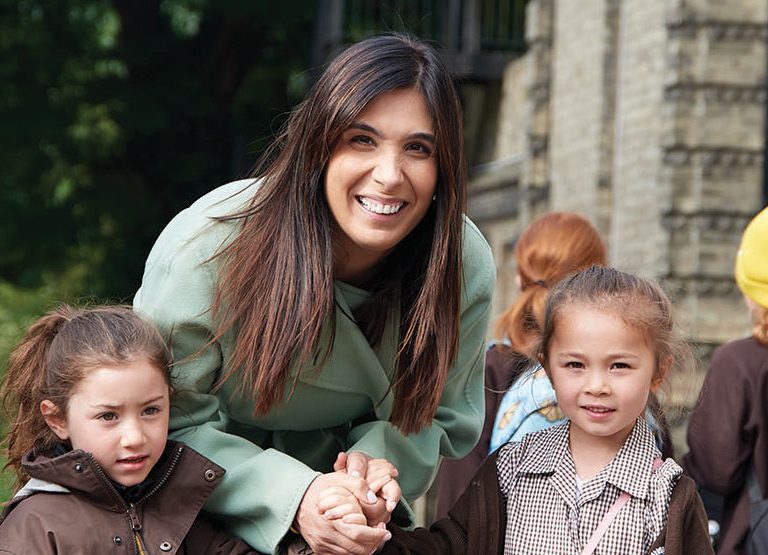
(378, 208)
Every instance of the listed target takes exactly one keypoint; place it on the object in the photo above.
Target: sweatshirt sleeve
(260, 494)
(475, 524)
(458, 420)
(719, 424)
(686, 530)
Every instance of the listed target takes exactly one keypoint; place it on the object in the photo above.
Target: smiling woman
(380, 180)
(335, 305)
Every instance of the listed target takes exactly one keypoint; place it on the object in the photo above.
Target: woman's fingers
(379, 483)
(340, 465)
(366, 538)
(343, 510)
(357, 464)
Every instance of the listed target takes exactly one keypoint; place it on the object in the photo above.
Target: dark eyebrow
(429, 137)
(107, 406)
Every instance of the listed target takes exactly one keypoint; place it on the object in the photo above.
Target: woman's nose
(388, 171)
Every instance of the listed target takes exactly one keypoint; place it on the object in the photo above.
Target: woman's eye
(620, 365)
(361, 140)
(419, 148)
(574, 364)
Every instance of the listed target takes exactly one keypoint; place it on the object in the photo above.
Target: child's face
(602, 372)
(120, 415)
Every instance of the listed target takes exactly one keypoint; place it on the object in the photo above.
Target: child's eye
(151, 411)
(107, 416)
(620, 365)
(574, 364)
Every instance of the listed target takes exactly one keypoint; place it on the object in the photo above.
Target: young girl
(595, 483)
(89, 392)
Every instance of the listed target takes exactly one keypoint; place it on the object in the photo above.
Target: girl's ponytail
(24, 388)
(521, 321)
(551, 247)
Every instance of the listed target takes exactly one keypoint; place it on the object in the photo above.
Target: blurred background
(646, 116)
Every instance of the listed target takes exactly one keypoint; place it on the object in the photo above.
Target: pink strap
(599, 532)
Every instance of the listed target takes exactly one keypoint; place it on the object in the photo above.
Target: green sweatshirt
(270, 460)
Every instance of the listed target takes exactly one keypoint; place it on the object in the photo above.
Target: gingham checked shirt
(537, 477)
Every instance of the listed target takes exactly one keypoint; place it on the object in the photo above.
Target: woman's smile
(380, 207)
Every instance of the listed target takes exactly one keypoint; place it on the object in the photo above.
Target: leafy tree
(115, 115)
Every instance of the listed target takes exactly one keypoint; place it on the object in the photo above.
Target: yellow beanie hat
(752, 260)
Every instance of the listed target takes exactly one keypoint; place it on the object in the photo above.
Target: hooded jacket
(70, 506)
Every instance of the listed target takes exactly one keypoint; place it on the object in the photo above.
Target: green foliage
(115, 115)
(18, 309)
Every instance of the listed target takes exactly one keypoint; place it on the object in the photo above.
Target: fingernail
(387, 536)
(356, 474)
(371, 497)
(391, 506)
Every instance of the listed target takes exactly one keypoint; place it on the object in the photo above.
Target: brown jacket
(503, 365)
(72, 508)
(477, 523)
(728, 433)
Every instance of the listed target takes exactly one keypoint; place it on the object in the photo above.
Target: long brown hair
(552, 247)
(275, 287)
(56, 353)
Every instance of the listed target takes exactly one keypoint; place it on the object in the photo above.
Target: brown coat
(477, 523)
(502, 367)
(728, 432)
(92, 517)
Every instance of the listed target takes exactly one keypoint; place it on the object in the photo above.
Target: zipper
(164, 478)
(130, 509)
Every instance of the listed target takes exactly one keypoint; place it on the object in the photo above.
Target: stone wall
(648, 118)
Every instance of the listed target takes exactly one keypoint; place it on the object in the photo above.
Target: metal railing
(477, 37)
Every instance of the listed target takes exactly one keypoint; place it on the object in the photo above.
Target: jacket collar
(78, 472)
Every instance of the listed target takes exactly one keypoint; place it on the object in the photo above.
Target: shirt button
(165, 546)
(210, 475)
(118, 540)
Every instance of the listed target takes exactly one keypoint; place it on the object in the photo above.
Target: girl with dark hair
(88, 394)
(337, 302)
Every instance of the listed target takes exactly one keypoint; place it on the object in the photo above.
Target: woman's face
(380, 179)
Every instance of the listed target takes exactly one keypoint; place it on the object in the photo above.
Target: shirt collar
(629, 470)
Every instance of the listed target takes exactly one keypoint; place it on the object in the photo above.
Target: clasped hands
(346, 511)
